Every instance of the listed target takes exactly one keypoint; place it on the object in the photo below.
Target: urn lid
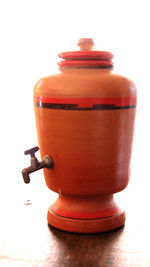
(86, 56)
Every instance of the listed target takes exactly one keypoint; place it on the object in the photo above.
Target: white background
(31, 35)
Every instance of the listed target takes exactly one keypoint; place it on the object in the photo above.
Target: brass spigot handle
(35, 164)
(31, 151)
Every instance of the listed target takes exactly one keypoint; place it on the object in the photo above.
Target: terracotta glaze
(85, 120)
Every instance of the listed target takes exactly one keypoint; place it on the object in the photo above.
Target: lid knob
(86, 43)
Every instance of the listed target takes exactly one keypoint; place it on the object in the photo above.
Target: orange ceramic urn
(85, 120)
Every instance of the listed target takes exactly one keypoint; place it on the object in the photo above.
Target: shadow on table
(85, 249)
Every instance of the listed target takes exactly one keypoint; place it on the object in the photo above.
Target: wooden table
(27, 240)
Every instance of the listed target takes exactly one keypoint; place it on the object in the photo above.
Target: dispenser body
(85, 122)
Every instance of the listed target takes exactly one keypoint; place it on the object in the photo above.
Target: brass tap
(35, 164)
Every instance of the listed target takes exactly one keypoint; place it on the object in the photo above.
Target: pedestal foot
(85, 214)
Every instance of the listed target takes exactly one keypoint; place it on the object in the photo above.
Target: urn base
(85, 214)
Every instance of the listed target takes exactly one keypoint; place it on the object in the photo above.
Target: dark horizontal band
(77, 107)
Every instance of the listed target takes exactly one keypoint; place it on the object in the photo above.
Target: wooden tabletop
(27, 240)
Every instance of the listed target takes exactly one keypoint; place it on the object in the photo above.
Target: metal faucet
(35, 164)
